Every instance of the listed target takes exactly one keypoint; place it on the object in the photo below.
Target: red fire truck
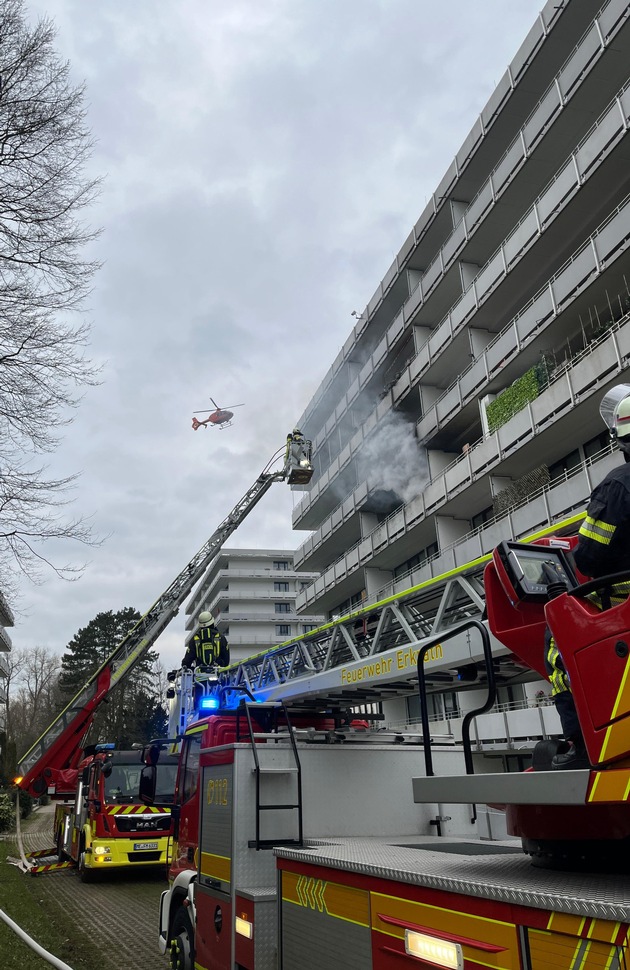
(95, 827)
(303, 844)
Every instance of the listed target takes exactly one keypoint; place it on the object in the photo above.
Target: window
(282, 607)
(280, 564)
(283, 629)
(281, 587)
(307, 627)
(481, 517)
(190, 759)
(304, 585)
(596, 444)
(560, 468)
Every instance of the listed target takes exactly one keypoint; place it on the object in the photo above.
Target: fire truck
(303, 837)
(96, 827)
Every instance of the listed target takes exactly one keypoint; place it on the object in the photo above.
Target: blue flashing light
(209, 704)
(110, 746)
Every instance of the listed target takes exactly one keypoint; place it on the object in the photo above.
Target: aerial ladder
(50, 765)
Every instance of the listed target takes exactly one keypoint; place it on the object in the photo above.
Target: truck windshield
(122, 785)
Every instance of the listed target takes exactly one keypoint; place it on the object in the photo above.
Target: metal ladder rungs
(266, 808)
(276, 771)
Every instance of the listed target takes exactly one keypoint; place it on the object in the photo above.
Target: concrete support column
(420, 336)
(367, 523)
(458, 209)
(449, 530)
(376, 579)
(479, 340)
(467, 272)
(413, 278)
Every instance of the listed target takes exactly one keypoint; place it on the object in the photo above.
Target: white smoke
(391, 459)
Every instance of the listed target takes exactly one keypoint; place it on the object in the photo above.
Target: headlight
(102, 850)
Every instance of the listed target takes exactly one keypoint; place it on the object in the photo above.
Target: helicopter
(221, 417)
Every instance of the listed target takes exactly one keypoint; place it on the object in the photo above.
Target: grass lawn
(52, 928)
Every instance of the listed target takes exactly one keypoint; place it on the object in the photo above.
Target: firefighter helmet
(622, 418)
(205, 618)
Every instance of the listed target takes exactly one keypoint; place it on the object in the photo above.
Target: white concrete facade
(252, 593)
(517, 270)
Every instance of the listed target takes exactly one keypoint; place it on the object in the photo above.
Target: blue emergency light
(209, 704)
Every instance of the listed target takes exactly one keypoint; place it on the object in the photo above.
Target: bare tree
(45, 277)
(34, 696)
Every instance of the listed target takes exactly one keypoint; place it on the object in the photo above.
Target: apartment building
(6, 620)
(252, 593)
(463, 407)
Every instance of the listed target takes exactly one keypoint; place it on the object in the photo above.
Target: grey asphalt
(119, 915)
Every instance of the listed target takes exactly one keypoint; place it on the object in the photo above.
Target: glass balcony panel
(414, 511)
(484, 455)
(508, 165)
(439, 338)
(396, 525)
(402, 386)
(479, 206)
(434, 495)
(541, 117)
(553, 198)
(407, 247)
(366, 372)
(379, 352)
(374, 302)
(518, 428)
(520, 238)
(395, 329)
(448, 181)
(490, 275)
(526, 50)
(453, 244)
(594, 366)
(427, 426)
(340, 570)
(495, 101)
(555, 399)
(571, 278)
(431, 276)
(425, 219)
(412, 304)
(365, 550)
(534, 316)
(613, 14)
(473, 378)
(352, 560)
(613, 234)
(501, 350)
(448, 404)
(470, 143)
(578, 63)
(590, 152)
(390, 276)
(353, 390)
(419, 363)
(457, 475)
(463, 309)
(530, 517)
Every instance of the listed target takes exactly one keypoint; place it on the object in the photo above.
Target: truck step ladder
(269, 711)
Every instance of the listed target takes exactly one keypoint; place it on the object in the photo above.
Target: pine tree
(134, 712)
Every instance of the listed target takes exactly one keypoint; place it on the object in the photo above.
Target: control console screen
(532, 569)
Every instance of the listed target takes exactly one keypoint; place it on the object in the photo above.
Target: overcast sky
(264, 161)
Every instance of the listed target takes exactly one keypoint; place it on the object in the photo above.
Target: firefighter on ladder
(208, 647)
(603, 549)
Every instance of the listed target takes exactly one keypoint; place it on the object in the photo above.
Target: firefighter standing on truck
(603, 549)
(208, 647)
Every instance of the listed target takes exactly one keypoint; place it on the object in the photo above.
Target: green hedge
(514, 398)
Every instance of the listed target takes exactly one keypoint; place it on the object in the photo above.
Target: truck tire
(182, 942)
(85, 874)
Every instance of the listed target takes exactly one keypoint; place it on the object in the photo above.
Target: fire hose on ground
(39, 950)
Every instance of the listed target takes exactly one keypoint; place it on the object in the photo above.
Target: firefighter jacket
(604, 538)
(207, 648)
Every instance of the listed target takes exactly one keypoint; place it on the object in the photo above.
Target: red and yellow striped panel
(135, 810)
(485, 942)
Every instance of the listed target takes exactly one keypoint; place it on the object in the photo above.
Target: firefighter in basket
(208, 647)
(603, 549)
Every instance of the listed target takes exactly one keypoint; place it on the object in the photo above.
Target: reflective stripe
(598, 530)
(557, 678)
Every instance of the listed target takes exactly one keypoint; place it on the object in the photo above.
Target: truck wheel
(182, 947)
(85, 874)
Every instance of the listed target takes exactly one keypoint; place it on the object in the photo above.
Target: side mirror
(106, 769)
(148, 781)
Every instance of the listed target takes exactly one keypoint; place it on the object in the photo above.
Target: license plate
(139, 846)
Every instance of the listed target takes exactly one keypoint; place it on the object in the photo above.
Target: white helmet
(622, 418)
(205, 618)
